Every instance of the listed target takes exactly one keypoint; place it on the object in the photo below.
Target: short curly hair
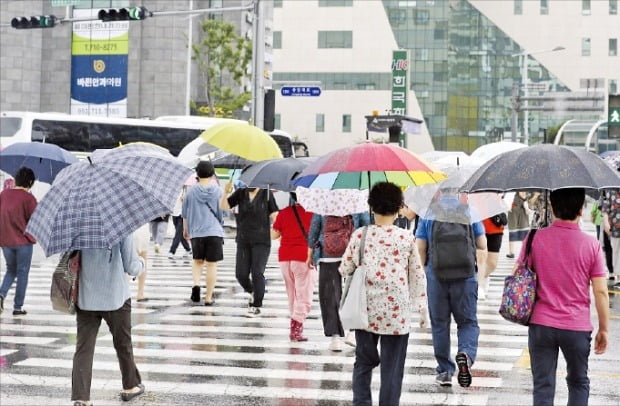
(385, 198)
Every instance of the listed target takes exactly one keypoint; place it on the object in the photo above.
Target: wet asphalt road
(194, 355)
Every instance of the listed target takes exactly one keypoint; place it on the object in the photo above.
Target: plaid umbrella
(96, 203)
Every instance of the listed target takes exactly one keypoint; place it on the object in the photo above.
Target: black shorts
(494, 242)
(209, 249)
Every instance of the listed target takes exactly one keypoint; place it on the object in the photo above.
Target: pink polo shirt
(565, 260)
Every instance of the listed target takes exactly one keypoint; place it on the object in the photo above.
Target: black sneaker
(463, 364)
(19, 312)
(1, 304)
(195, 294)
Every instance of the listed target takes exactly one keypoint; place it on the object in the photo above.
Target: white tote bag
(353, 309)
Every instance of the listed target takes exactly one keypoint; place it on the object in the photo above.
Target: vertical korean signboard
(400, 79)
(99, 56)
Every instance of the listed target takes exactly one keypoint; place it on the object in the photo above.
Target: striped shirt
(103, 285)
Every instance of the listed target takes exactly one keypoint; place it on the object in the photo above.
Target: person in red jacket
(292, 225)
(16, 207)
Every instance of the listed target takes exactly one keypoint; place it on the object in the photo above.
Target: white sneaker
(157, 248)
(336, 344)
(170, 255)
(253, 312)
(188, 254)
(350, 339)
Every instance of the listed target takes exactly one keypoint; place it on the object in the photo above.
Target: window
(397, 16)
(544, 7)
(613, 46)
(613, 7)
(320, 123)
(346, 123)
(586, 7)
(335, 39)
(585, 46)
(422, 17)
(613, 86)
(335, 3)
(277, 40)
(277, 3)
(518, 7)
(277, 121)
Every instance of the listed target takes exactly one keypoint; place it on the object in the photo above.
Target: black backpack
(452, 250)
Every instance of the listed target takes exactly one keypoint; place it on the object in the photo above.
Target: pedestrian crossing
(214, 355)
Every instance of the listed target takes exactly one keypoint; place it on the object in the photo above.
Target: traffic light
(269, 110)
(613, 119)
(34, 22)
(124, 14)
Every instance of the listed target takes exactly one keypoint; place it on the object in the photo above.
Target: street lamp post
(524, 64)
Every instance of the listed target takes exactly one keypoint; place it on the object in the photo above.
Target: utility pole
(515, 109)
(258, 65)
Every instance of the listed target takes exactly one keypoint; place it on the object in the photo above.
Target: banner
(99, 59)
(400, 81)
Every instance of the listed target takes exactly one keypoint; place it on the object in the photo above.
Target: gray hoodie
(200, 220)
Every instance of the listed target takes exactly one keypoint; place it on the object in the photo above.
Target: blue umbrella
(96, 203)
(45, 160)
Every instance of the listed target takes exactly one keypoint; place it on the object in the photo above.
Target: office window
(518, 7)
(613, 7)
(613, 46)
(585, 46)
(277, 121)
(346, 123)
(320, 123)
(586, 7)
(613, 86)
(422, 17)
(335, 39)
(277, 3)
(277, 40)
(544, 7)
(335, 3)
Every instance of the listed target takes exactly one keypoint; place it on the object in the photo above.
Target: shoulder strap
(300, 223)
(213, 212)
(528, 245)
(362, 245)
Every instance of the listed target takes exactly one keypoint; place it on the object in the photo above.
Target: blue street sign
(300, 91)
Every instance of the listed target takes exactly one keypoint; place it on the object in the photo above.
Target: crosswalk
(214, 355)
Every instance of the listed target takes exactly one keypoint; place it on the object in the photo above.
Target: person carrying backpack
(327, 240)
(448, 251)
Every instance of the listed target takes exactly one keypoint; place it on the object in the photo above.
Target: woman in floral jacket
(395, 285)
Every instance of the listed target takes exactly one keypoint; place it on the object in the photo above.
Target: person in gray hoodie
(202, 224)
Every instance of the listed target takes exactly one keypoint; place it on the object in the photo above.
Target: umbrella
(431, 201)
(543, 167)
(333, 202)
(96, 203)
(244, 140)
(196, 150)
(363, 165)
(274, 173)
(230, 161)
(488, 151)
(45, 160)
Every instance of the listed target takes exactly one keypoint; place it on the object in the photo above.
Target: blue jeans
(459, 299)
(543, 344)
(18, 260)
(392, 360)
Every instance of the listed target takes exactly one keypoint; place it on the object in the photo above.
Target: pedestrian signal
(20, 23)
(613, 118)
(124, 14)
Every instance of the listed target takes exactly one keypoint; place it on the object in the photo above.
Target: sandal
(211, 303)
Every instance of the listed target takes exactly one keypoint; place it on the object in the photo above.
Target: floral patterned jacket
(611, 207)
(395, 279)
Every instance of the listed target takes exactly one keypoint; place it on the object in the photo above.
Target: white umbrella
(488, 151)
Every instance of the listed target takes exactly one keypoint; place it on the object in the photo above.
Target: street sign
(300, 91)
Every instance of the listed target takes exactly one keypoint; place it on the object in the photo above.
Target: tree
(223, 57)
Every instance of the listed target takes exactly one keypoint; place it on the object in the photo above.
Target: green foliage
(223, 57)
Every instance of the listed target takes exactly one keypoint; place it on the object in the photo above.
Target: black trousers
(251, 261)
(178, 235)
(88, 322)
(330, 292)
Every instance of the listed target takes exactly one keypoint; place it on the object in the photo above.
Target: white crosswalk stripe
(214, 355)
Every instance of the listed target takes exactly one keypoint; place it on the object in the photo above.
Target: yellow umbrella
(244, 140)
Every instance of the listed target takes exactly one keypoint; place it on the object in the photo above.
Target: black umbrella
(231, 161)
(543, 167)
(274, 173)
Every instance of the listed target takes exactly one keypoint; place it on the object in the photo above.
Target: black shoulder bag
(299, 222)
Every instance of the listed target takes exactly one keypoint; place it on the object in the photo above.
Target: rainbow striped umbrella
(361, 166)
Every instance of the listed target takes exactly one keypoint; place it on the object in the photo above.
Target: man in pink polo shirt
(566, 261)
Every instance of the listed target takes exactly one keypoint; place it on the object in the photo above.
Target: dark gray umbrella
(274, 173)
(543, 167)
(231, 161)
